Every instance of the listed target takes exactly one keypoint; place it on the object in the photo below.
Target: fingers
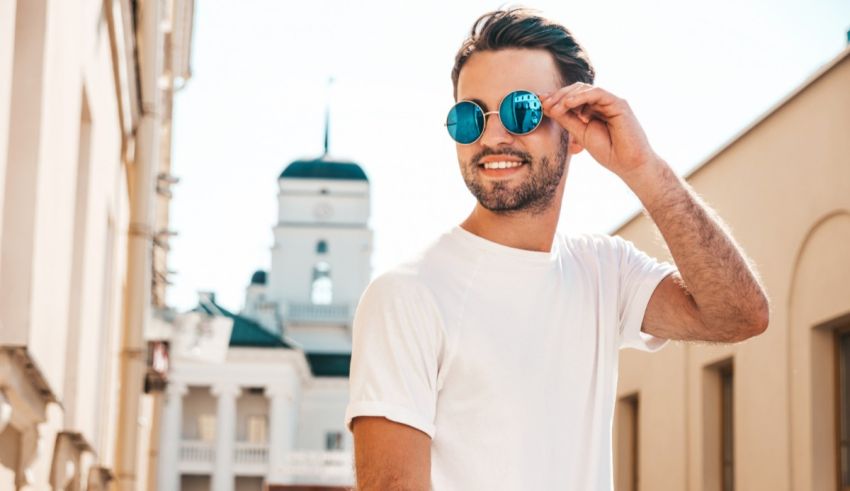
(554, 107)
(554, 97)
(585, 99)
(572, 121)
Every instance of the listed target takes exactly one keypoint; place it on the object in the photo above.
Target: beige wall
(67, 119)
(7, 49)
(783, 186)
(62, 188)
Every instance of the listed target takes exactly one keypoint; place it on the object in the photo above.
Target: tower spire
(328, 118)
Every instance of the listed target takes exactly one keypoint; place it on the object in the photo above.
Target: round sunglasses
(520, 112)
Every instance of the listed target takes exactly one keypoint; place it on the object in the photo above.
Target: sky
(694, 73)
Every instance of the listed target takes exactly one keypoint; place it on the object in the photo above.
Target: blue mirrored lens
(465, 122)
(521, 112)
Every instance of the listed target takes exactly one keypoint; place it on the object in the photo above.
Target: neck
(520, 229)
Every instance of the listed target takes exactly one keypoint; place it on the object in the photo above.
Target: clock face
(323, 210)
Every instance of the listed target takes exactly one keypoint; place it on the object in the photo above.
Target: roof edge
(810, 80)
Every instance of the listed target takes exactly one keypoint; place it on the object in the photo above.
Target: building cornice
(811, 80)
(28, 389)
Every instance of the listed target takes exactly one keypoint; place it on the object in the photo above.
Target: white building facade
(270, 411)
(320, 261)
(85, 116)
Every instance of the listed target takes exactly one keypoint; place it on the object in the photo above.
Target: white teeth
(501, 165)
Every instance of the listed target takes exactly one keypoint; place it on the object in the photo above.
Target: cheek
(544, 140)
(551, 129)
(464, 153)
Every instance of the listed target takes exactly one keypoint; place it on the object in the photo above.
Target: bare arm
(716, 296)
(390, 456)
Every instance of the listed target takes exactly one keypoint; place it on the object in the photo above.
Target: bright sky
(695, 74)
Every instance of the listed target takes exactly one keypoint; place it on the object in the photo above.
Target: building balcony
(252, 459)
(196, 457)
(316, 468)
(249, 459)
(308, 313)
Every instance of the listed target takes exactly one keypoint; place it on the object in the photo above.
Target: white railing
(251, 453)
(308, 312)
(197, 452)
(319, 467)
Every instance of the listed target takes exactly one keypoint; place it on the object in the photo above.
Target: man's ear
(573, 147)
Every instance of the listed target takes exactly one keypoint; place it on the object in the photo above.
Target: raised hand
(601, 123)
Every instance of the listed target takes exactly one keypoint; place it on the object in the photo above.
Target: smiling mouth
(506, 164)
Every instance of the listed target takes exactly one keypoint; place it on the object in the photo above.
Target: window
(333, 440)
(719, 426)
(257, 429)
(322, 291)
(727, 430)
(626, 444)
(206, 427)
(322, 247)
(842, 338)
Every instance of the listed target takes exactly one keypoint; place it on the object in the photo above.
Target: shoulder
(594, 243)
(403, 285)
(399, 301)
(422, 270)
(404, 278)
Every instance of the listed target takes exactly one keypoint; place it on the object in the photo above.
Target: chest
(524, 336)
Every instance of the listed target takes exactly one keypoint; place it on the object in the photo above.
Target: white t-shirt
(506, 358)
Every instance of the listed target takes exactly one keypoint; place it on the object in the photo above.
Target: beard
(533, 195)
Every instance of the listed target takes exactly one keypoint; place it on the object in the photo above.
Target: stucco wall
(784, 189)
(65, 205)
(323, 410)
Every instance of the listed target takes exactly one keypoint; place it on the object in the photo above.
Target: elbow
(757, 322)
(755, 328)
(763, 316)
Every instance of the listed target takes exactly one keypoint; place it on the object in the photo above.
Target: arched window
(322, 291)
(321, 247)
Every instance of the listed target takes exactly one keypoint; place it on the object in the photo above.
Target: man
(490, 361)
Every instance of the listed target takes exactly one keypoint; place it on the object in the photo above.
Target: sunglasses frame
(497, 111)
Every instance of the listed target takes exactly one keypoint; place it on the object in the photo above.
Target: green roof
(329, 364)
(323, 168)
(245, 333)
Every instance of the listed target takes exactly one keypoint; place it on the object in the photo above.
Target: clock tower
(322, 249)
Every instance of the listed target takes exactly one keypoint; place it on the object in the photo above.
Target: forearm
(716, 273)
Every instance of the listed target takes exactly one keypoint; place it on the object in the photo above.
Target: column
(225, 436)
(170, 437)
(283, 422)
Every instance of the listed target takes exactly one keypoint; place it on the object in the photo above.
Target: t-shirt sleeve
(640, 274)
(397, 345)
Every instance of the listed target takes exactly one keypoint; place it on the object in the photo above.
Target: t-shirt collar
(491, 247)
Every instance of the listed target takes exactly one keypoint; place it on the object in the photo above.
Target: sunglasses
(520, 112)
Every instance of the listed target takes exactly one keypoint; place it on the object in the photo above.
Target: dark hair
(519, 27)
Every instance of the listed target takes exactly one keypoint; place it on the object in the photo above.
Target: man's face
(486, 78)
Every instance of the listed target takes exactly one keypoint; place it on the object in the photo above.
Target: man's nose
(494, 131)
